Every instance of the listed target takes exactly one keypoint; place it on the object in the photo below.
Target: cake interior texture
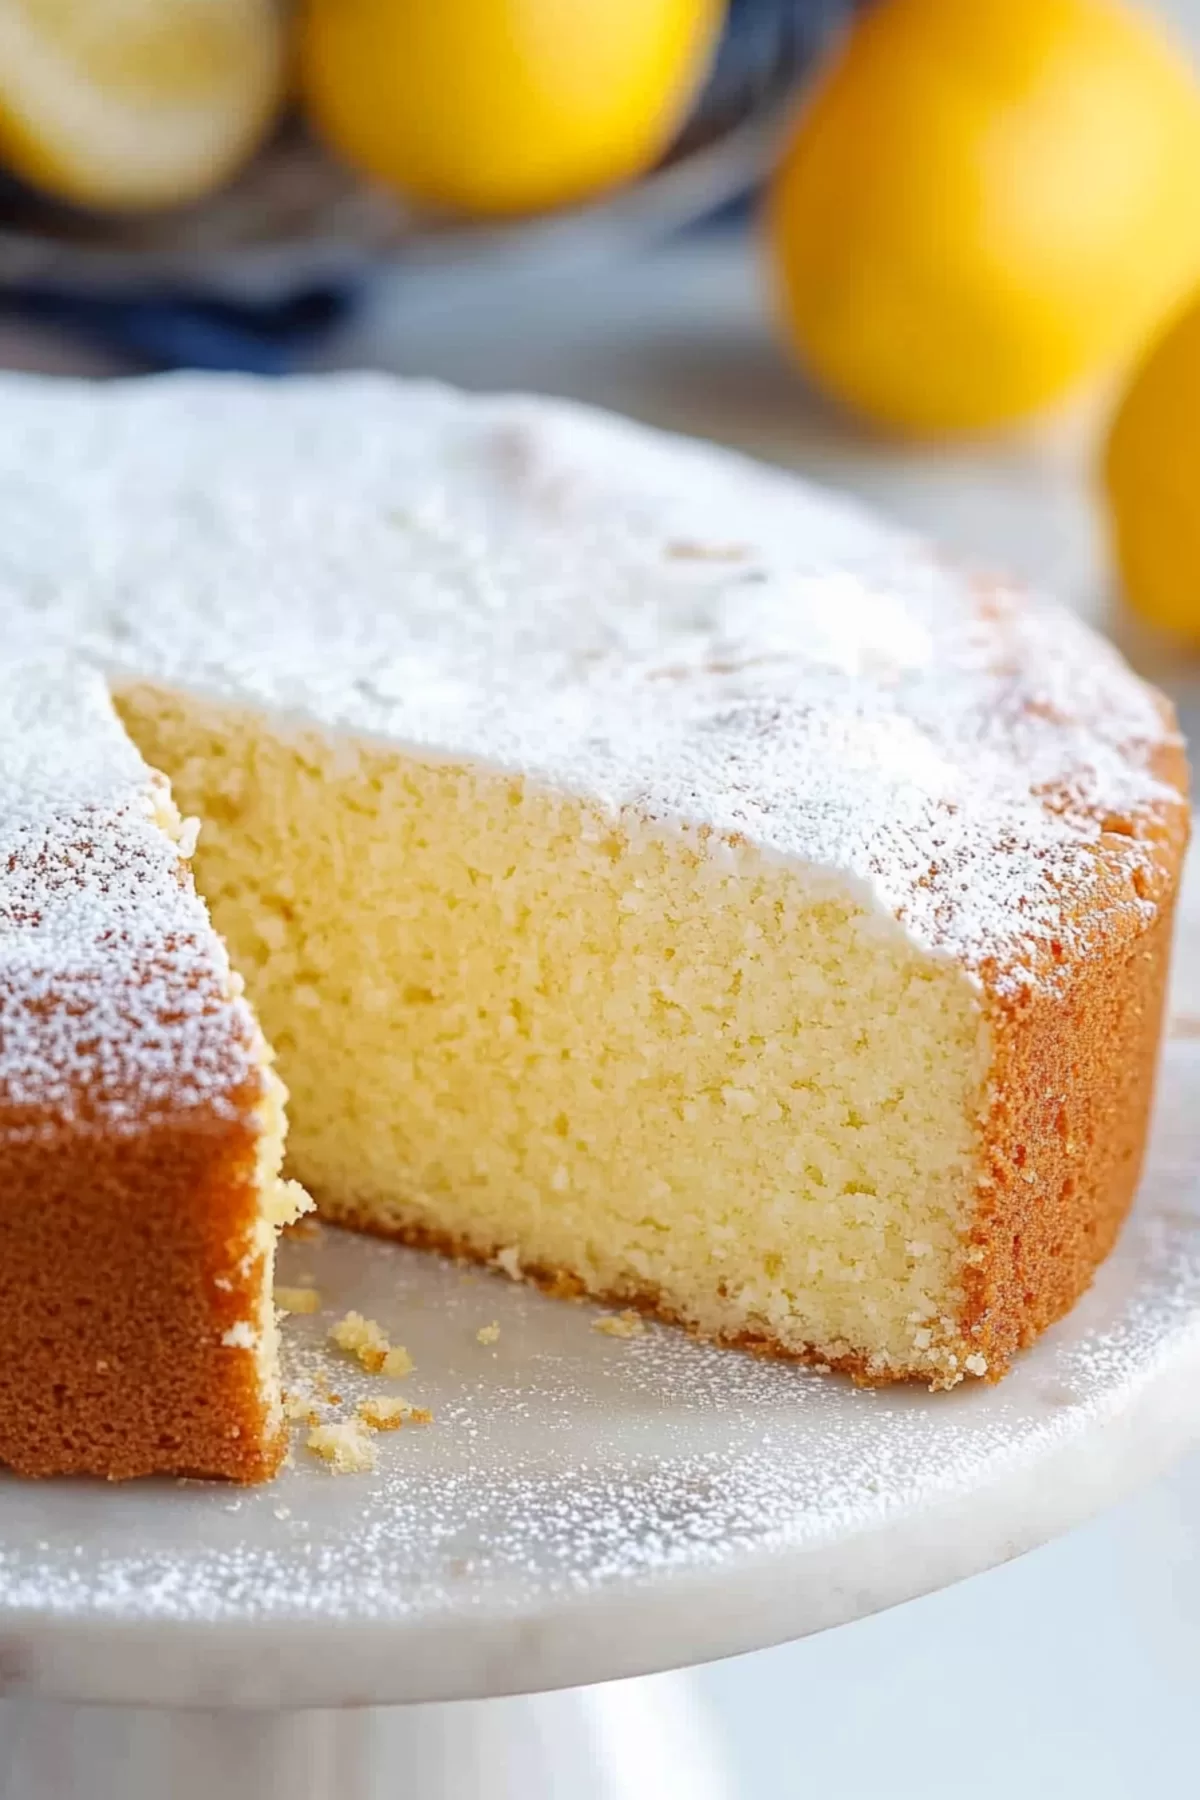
(662, 1065)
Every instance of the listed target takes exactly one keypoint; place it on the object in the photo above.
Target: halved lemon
(130, 104)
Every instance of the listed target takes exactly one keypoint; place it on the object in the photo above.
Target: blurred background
(943, 252)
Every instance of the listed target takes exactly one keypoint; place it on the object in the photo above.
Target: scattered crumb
(388, 1414)
(298, 1299)
(383, 1414)
(283, 1512)
(300, 1407)
(508, 1261)
(620, 1325)
(363, 1338)
(366, 1340)
(487, 1334)
(347, 1446)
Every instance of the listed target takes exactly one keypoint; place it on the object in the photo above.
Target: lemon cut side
(131, 104)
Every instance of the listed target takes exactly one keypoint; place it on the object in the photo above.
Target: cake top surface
(669, 629)
(114, 990)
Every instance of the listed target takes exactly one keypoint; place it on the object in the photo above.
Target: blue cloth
(179, 330)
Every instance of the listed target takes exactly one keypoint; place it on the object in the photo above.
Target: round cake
(653, 874)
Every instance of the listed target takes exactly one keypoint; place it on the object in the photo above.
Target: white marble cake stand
(583, 1507)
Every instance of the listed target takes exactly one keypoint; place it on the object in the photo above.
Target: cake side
(129, 1267)
(141, 1127)
(1076, 1053)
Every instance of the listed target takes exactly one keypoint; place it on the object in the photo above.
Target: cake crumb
(367, 1340)
(388, 1413)
(298, 1299)
(283, 1512)
(508, 1261)
(346, 1445)
(626, 1324)
(300, 1407)
(488, 1334)
(975, 1364)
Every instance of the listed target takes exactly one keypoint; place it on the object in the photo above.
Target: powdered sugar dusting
(114, 1001)
(677, 633)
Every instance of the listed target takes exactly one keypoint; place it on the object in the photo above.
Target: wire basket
(296, 218)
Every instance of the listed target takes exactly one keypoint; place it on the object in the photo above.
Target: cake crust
(124, 1262)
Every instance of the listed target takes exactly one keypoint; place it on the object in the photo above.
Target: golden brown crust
(1072, 1085)
(111, 1319)
(1072, 1089)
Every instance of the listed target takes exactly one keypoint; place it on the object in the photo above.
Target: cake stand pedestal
(634, 1740)
(583, 1508)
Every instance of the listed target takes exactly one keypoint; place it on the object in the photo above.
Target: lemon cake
(651, 872)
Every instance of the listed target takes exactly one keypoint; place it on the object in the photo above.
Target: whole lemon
(503, 106)
(985, 202)
(127, 104)
(1152, 480)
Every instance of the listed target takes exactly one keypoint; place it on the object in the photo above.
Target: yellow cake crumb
(488, 1334)
(300, 1407)
(298, 1299)
(508, 1261)
(620, 1325)
(346, 1445)
(388, 1413)
(367, 1340)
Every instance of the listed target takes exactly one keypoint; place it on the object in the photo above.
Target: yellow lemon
(1152, 480)
(135, 103)
(503, 106)
(984, 203)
